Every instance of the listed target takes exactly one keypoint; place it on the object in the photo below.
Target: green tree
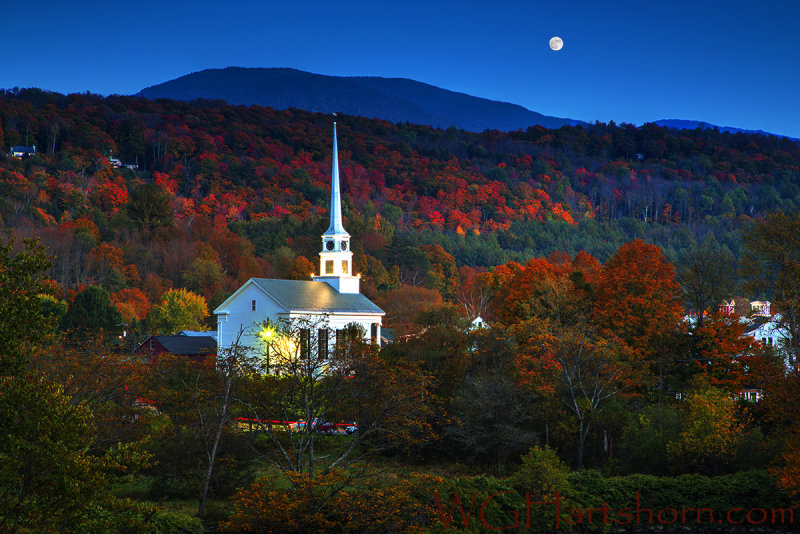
(179, 309)
(22, 324)
(204, 276)
(92, 310)
(149, 206)
(49, 481)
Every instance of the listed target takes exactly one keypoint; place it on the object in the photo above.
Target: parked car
(351, 428)
(325, 427)
(317, 425)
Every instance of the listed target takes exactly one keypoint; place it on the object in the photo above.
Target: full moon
(556, 43)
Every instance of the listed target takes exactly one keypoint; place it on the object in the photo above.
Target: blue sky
(732, 63)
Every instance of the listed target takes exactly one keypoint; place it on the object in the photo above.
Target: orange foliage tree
(638, 300)
(301, 269)
(404, 303)
(132, 304)
(724, 353)
(443, 269)
(565, 356)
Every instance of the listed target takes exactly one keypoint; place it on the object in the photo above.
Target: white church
(334, 297)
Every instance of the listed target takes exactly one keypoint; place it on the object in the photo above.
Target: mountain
(682, 124)
(393, 99)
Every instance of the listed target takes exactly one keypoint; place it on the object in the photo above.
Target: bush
(333, 503)
(745, 490)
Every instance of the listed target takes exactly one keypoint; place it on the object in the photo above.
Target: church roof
(314, 297)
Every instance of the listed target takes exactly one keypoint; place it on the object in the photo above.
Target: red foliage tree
(639, 300)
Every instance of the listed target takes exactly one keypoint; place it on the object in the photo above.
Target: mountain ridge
(688, 124)
(394, 99)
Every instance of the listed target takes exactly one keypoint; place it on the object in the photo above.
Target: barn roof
(188, 345)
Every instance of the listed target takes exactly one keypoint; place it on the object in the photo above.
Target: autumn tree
(132, 304)
(771, 263)
(106, 264)
(301, 269)
(562, 350)
(475, 293)
(788, 472)
(443, 275)
(404, 303)
(711, 430)
(638, 300)
(178, 310)
(724, 353)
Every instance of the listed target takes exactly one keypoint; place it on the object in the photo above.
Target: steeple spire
(335, 228)
(336, 258)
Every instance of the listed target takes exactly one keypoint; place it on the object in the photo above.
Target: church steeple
(336, 258)
(335, 228)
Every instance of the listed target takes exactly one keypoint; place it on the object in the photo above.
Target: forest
(607, 378)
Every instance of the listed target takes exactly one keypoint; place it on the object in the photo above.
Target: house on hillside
(330, 301)
(22, 151)
(760, 322)
(766, 329)
(197, 349)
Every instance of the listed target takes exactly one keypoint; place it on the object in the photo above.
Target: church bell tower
(336, 258)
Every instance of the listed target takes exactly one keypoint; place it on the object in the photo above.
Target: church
(333, 297)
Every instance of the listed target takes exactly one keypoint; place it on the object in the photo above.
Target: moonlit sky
(730, 63)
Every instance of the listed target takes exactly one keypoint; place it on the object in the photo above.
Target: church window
(329, 245)
(339, 340)
(305, 343)
(322, 344)
(344, 267)
(328, 266)
(253, 305)
(344, 245)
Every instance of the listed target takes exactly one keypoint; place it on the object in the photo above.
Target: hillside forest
(598, 256)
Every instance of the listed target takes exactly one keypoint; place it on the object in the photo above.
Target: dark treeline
(206, 167)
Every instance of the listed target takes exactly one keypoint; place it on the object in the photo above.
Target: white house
(22, 151)
(766, 329)
(333, 297)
